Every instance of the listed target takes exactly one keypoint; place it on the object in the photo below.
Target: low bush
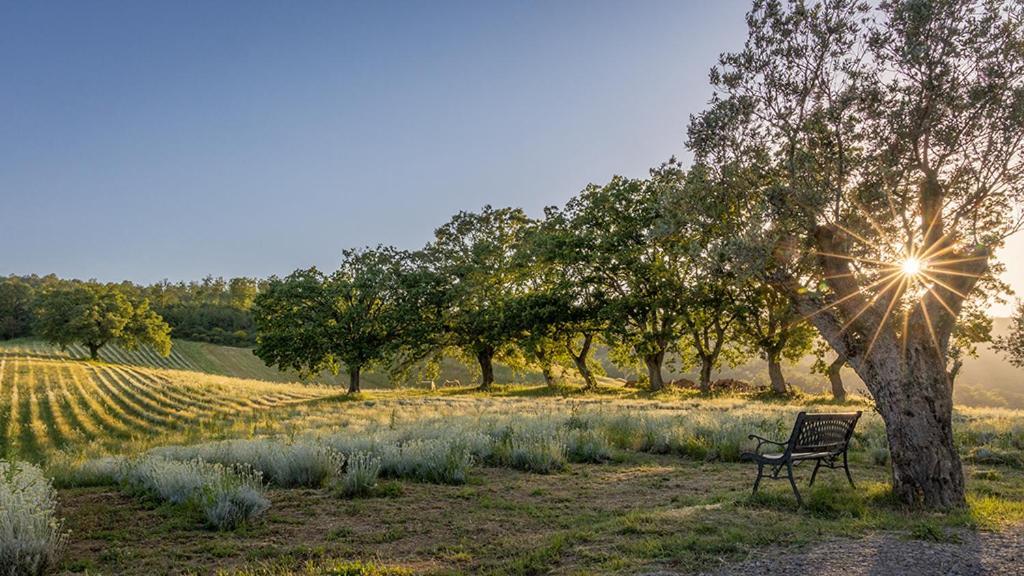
(286, 465)
(32, 537)
(437, 460)
(68, 471)
(587, 446)
(359, 477)
(540, 453)
(231, 499)
(227, 496)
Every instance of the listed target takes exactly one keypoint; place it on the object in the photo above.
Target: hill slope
(185, 355)
(50, 403)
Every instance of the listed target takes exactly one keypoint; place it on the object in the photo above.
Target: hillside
(185, 355)
(50, 403)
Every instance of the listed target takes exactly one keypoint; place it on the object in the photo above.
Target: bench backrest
(822, 432)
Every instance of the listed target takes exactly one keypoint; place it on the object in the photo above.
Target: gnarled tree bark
(775, 372)
(653, 362)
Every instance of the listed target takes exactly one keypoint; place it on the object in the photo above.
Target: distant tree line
(211, 310)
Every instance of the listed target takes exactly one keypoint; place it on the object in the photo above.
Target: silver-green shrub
(360, 475)
(31, 536)
(233, 497)
(285, 465)
(539, 452)
(227, 496)
(587, 446)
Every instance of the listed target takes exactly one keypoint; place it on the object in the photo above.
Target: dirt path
(885, 554)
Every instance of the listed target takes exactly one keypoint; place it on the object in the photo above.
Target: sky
(148, 140)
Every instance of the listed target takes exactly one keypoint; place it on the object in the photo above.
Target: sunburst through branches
(899, 280)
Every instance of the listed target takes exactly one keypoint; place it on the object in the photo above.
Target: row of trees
(211, 310)
(496, 285)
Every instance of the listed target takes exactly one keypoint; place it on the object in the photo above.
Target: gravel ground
(886, 554)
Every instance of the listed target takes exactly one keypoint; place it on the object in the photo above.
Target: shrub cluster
(227, 496)
(31, 536)
(306, 464)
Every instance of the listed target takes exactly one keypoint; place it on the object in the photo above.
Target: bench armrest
(761, 441)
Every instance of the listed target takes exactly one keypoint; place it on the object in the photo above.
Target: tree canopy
(95, 315)
(311, 322)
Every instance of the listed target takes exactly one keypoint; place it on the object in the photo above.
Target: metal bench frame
(822, 437)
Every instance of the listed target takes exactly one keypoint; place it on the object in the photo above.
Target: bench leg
(792, 482)
(846, 466)
(760, 472)
(817, 464)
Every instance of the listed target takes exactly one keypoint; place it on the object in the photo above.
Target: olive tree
(561, 313)
(1012, 344)
(889, 143)
(633, 271)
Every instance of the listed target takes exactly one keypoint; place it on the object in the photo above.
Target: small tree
(831, 369)
(95, 315)
(310, 322)
(633, 273)
(1012, 344)
(772, 326)
(475, 257)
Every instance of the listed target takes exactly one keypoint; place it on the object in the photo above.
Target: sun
(912, 266)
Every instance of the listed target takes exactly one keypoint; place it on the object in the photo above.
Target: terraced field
(51, 402)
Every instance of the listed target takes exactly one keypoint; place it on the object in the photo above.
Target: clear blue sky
(150, 140)
(146, 140)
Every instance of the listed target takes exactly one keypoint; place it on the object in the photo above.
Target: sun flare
(912, 266)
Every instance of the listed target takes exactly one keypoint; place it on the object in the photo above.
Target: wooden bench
(824, 438)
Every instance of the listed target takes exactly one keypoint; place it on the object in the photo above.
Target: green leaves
(97, 314)
(356, 317)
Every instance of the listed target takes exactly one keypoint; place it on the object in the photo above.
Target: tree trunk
(353, 379)
(775, 373)
(836, 379)
(581, 362)
(653, 362)
(94, 351)
(706, 366)
(485, 358)
(954, 371)
(549, 376)
(904, 370)
(914, 398)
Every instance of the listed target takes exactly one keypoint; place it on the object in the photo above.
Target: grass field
(525, 480)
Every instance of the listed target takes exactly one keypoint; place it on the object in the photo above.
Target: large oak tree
(475, 263)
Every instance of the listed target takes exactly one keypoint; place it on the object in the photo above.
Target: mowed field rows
(185, 355)
(50, 403)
